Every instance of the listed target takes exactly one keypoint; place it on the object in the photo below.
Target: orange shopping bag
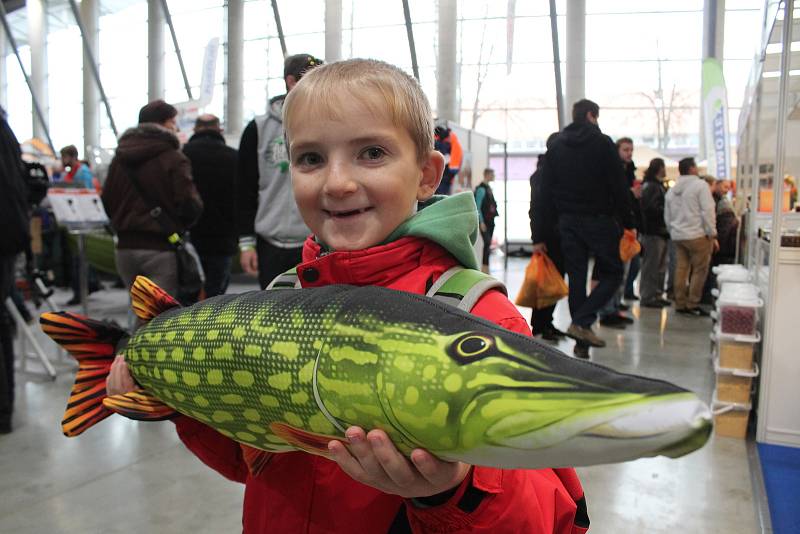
(628, 246)
(543, 285)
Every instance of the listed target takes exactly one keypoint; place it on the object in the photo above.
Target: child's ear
(432, 169)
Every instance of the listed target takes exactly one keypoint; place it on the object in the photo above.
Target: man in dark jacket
(655, 236)
(151, 153)
(13, 240)
(214, 172)
(584, 180)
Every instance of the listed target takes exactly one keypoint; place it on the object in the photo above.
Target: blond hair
(379, 86)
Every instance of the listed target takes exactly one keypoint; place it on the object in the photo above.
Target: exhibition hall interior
(317, 266)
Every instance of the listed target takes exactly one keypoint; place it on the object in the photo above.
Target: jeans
(487, 243)
(218, 274)
(274, 261)
(654, 267)
(671, 269)
(633, 272)
(691, 268)
(583, 236)
(612, 307)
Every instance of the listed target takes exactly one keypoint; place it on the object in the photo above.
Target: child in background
(360, 139)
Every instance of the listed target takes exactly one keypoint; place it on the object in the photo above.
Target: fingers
(349, 465)
(437, 472)
(249, 261)
(392, 463)
(361, 450)
(119, 378)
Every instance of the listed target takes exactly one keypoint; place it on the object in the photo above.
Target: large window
(643, 61)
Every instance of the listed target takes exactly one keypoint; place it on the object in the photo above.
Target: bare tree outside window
(668, 108)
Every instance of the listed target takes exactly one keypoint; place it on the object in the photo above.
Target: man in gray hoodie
(271, 231)
(691, 219)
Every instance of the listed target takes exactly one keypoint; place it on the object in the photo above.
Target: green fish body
(286, 369)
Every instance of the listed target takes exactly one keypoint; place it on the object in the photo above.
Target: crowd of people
(585, 192)
(335, 185)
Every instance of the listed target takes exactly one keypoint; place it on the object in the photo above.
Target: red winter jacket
(299, 492)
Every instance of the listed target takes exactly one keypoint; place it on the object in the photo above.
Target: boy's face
(356, 178)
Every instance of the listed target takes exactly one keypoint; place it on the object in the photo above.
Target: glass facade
(642, 61)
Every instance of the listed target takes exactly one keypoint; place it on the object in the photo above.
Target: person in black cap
(271, 231)
(150, 152)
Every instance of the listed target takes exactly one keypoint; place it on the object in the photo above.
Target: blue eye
(374, 153)
(309, 158)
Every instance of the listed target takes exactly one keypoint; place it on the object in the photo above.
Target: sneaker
(657, 303)
(585, 334)
(581, 351)
(613, 321)
(631, 297)
(625, 318)
(623, 307)
(693, 312)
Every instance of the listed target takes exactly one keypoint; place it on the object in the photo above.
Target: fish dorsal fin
(140, 406)
(256, 459)
(149, 300)
(303, 439)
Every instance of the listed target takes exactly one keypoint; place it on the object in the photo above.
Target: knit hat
(298, 64)
(157, 111)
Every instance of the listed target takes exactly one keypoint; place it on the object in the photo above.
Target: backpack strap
(457, 286)
(287, 280)
(462, 287)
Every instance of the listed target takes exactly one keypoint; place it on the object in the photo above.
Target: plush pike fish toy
(291, 369)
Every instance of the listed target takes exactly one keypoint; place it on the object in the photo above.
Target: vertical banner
(715, 118)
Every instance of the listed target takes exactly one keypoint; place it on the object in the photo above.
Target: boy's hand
(373, 460)
(119, 380)
(249, 261)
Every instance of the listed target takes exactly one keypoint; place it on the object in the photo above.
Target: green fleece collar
(451, 222)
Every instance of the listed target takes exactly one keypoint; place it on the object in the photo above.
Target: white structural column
(713, 43)
(575, 86)
(37, 39)
(713, 28)
(446, 90)
(91, 99)
(3, 77)
(155, 50)
(333, 30)
(234, 67)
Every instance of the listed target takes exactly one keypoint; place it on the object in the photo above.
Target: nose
(339, 182)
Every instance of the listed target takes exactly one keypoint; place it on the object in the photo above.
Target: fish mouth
(661, 422)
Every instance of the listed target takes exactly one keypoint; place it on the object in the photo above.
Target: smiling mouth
(343, 214)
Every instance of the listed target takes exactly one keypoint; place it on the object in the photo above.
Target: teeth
(348, 212)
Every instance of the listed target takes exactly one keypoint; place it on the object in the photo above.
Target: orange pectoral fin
(140, 406)
(303, 439)
(256, 459)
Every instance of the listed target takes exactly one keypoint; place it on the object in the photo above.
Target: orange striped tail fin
(93, 345)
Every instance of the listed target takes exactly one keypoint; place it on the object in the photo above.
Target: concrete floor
(124, 476)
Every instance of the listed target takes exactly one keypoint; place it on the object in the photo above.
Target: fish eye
(473, 345)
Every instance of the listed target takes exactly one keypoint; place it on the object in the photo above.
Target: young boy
(360, 140)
